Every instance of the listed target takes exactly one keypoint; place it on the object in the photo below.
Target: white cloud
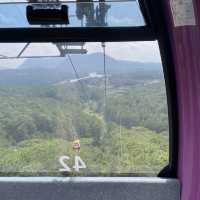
(34, 49)
(9, 49)
(44, 49)
(125, 20)
(10, 64)
(134, 51)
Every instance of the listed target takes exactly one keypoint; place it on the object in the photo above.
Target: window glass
(82, 109)
(81, 14)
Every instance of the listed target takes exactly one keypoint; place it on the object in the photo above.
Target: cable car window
(82, 109)
(80, 14)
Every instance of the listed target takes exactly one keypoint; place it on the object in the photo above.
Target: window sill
(88, 188)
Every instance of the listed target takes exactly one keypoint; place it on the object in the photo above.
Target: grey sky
(133, 51)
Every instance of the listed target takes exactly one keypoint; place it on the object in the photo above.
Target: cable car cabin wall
(105, 153)
(184, 36)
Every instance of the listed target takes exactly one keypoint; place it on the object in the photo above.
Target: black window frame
(155, 29)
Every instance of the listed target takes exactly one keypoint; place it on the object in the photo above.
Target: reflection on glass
(75, 116)
(81, 14)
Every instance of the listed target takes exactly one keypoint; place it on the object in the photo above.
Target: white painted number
(78, 164)
(64, 165)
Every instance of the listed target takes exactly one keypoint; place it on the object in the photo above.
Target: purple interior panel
(185, 42)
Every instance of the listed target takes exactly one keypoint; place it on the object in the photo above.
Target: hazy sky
(133, 51)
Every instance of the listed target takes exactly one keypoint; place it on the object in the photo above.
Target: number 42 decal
(78, 164)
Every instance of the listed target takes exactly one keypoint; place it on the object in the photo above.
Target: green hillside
(128, 134)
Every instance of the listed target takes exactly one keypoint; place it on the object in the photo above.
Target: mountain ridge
(86, 60)
(51, 71)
